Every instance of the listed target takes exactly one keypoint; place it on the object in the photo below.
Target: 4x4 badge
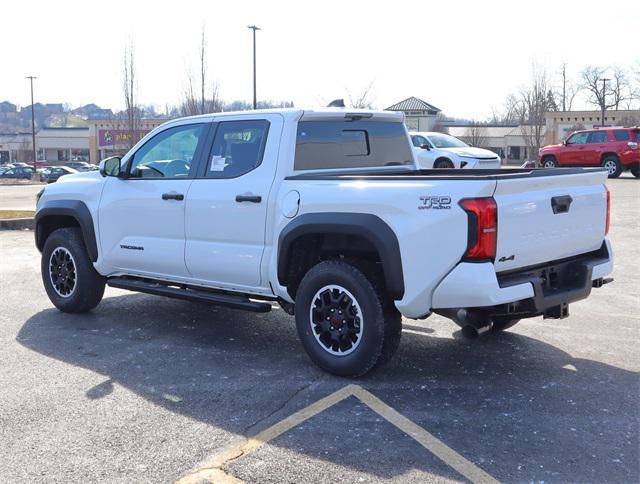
(505, 259)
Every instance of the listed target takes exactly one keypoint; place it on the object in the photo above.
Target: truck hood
(550, 148)
(471, 152)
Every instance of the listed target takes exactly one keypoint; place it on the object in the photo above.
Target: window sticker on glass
(218, 163)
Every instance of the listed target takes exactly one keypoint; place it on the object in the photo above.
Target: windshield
(446, 141)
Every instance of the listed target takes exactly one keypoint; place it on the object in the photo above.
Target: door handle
(249, 198)
(172, 196)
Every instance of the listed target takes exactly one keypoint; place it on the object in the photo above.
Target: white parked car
(439, 150)
(326, 213)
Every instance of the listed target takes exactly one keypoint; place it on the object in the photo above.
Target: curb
(17, 223)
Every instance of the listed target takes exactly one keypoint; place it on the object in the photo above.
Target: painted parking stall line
(212, 468)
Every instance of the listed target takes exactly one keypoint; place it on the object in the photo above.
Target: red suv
(615, 149)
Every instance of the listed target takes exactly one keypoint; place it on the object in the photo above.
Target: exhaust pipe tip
(473, 332)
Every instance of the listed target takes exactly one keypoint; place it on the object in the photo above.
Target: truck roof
(309, 114)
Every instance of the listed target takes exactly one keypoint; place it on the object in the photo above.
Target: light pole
(33, 125)
(255, 98)
(604, 98)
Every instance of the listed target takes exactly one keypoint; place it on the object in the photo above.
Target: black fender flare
(369, 226)
(73, 208)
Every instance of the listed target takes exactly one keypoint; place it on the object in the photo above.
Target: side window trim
(203, 170)
(197, 155)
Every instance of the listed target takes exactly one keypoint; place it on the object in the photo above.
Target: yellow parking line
(211, 469)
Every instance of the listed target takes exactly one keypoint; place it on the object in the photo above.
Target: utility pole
(33, 125)
(604, 98)
(255, 98)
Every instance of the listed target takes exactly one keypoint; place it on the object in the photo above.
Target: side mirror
(564, 142)
(426, 146)
(110, 166)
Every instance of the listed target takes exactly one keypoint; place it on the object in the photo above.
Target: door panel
(141, 215)
(226, 209)
(139, 231)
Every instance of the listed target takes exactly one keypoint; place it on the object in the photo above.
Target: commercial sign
(117, 137)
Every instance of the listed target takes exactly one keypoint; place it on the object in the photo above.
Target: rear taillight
(606, 226)
(483, 228)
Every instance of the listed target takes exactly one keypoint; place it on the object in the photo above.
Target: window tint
(351, 144)
(168, 154)
(598, 137)
(621, 135)
(238, 148)
(578, 138)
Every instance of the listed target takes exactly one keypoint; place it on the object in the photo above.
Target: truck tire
(345, 325)
(613, 166)
(71, 282)
(444, 163)
(635, 171)
(502, 323)
(549, 162)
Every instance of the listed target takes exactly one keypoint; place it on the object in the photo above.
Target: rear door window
(598, 137)
(351, 144)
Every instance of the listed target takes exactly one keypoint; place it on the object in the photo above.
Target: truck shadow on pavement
(515, 406)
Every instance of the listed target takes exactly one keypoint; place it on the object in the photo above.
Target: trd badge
(429, 202)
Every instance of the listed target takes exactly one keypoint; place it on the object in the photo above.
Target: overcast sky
(463, 57)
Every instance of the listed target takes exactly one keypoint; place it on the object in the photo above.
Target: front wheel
(344, 324)
(550, 162)
(612, 165)
(71, 282)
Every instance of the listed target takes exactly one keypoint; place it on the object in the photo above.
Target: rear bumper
(524, 292)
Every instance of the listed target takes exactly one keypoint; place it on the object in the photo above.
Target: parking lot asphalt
(146, 389)
(19, 196)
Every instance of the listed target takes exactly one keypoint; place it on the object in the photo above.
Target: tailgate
(549, 217)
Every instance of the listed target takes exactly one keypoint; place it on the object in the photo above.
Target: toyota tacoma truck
(326, 213)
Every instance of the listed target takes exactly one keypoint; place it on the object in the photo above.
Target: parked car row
(47, 174)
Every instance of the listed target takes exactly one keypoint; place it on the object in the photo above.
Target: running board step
(210, 297)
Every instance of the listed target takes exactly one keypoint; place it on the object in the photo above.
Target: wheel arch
(372, 234)
(55, 214)
(607, 154)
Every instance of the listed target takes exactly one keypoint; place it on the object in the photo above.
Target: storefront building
(111, 137)
(58, 146)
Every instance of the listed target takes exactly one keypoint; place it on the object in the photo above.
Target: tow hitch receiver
(560, 311)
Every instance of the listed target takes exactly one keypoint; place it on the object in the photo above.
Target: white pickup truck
(327, 213)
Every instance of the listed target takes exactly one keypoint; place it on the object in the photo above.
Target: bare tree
(598, 91)
(208, 98)
(476, 135)
(130, 91)
(568, 89)
(529, 106)
(440, 123)
(620, 87)
(363, 99)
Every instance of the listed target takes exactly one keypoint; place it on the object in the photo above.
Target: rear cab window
(347, 144)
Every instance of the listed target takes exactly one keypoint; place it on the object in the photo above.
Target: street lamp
(33, 125)
(255, 99)
(604, 98)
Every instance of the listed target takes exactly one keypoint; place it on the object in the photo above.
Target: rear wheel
(635, 171)
(443, 164)
(549, 162)
(501, 323)
(344, 324)
(612, 165)
(71, 282)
